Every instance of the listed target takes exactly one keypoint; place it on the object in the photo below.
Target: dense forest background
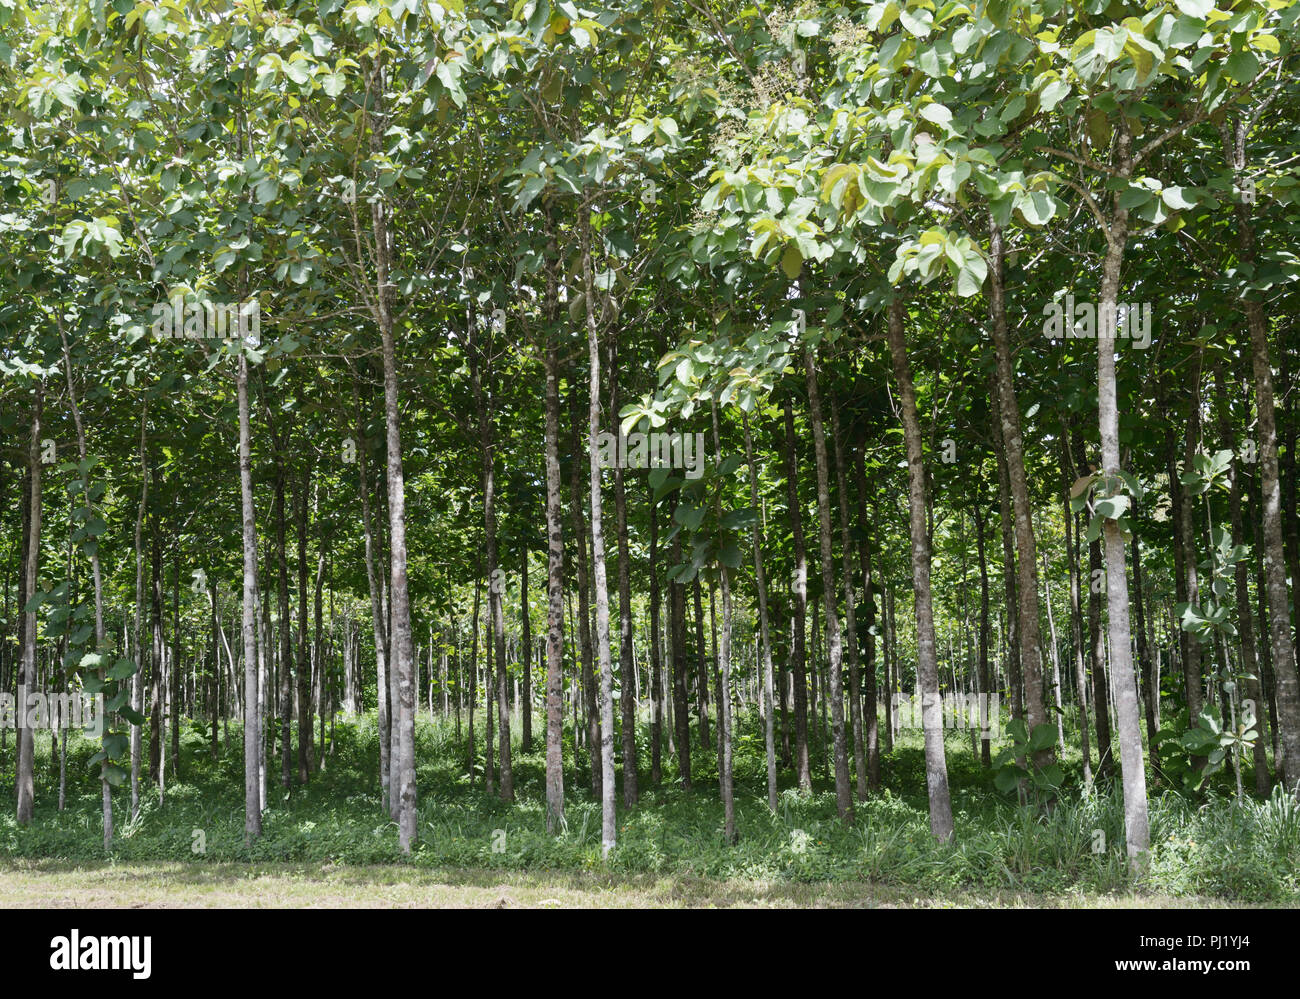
(822, 434)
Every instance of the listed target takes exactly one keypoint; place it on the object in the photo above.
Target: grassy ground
(330, 843)
(223, 885)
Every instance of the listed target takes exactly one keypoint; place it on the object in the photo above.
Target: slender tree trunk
(25, 778)
(305, 721)
(1150, 686)
(803, 769)
(850, 608)
(1245, 620)
(282, 622)
(137, 678)
(1270, 517)
(760, 582)
(106, 790)
(1097, 640)
(725, 777)
(1009, 573)
(400, 629)
(1031, 668)
(985, 686)
(871, 723)
(481, 369)
(1280, 649)
(609, 825)
(834, 646)
(1192, 668)
(656, 658)
(680, 721)
(627, 668)
(1056, 658)
(927, 666)
(525, 656)
(1076, 614)
(591, 701)
(701, 666)
(379, 625)
(1136, 827)
(252, 714)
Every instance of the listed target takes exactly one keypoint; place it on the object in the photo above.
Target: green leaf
(1042, 737)
(791, 261)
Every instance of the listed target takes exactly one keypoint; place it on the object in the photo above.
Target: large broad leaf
(1042, 737)
(791, 261)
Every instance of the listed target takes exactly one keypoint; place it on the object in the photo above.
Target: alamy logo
(971, 711)
(91, 953)
(656, 450)
(180, 319)
(1069, 320)
(54, 711)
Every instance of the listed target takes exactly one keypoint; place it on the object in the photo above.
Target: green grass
(1212, 847)
(54, 884)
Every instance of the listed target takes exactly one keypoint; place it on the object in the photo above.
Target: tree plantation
(806, 442)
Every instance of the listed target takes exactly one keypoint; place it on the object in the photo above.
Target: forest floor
(293, 886)
(331, 843)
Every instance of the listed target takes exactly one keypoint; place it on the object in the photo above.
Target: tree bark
(379, 629)
(609, 826)
(656, 657)
(400, 630)
(252, 705)
(927, 666)
(760, 582)
(1076, 613)
(834, 646)
(803, 769)
(554, 587)
(25, 777)
(627, 667)
(1133, 772)
(850, 608)
(1031, 668)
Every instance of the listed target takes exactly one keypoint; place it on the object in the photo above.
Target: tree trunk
(850, 609)
(1076, 613)
(681, 721)
(554, 587)
(985, 686)
(399, 631)
(1280, 648)
(627, 668)
(305, 717)
(106, 790)
(656, 657)
(252, 706)
(1009, 587)
(481, 370)
(1026, 551)
(525, 656)
(834, 646)
(769, 720)
(379, 629)
(282, 622)
(1136, 827)
(609, 826)
(927, 666)
(803, 769)
(871, 723)
(25, 777)
(590, 698)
